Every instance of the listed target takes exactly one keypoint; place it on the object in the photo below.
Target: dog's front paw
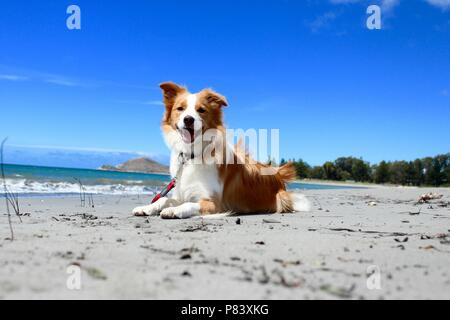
(146, 210)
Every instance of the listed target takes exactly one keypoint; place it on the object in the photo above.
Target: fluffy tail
(287, 172)
(289, 201)
(292, 202)
(301, 203)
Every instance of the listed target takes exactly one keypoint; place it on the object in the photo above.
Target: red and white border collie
(210, 187)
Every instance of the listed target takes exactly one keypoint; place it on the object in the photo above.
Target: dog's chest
(198, 181)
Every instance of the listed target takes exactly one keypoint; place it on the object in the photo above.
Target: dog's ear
(214, 99)
(170, 92)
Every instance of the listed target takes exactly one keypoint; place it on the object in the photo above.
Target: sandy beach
(374, 243)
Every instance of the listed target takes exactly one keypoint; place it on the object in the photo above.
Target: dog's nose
(188, 121)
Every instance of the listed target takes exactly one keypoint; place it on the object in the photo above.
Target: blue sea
(35, 180)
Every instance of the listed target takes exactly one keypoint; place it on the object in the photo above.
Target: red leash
(165, 191)
(171, 184)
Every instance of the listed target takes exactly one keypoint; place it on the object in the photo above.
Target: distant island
(142, 165)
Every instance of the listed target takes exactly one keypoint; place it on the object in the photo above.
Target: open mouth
(187, 134)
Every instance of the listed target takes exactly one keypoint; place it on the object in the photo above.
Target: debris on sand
(429, 196)
(286, 263)
(96, 273)
(282, 281)
(401, 240)
(186, 253)
(201, 227)
(340, 292)
(85, 216)
(379, 233)
(444, 204)
(271, 221)
(276, 277)
(431, 247)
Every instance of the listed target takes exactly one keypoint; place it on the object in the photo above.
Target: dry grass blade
(11, 199)
(82, 192)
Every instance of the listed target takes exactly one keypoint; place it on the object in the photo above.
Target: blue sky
(310, 68)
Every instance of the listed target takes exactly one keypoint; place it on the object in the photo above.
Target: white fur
(155, 208)
(301, 203)
(195, 182)
(192, 112)
(184, 211)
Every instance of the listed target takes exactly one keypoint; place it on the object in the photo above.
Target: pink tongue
(186, 136)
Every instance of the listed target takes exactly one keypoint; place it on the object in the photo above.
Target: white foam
(23, 186)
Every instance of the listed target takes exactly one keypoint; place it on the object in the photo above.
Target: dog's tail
(301, 203)
(290, 201)
(287, 172)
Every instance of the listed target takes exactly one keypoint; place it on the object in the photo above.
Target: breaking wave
(25, 187)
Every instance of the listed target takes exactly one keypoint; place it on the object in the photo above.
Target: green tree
(317, 172)
(398, 172)
(360, 170)
(418, 172)
(382, 172)
(436, 170)
(330, 171)
(302, 169)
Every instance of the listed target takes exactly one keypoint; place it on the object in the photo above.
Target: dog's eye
(201, 110)
(180, 108)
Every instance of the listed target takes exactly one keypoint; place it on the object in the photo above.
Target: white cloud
(8, 73)
(443, 4)
(344, 1)
(322, 21)
(12, 77)
(386, 5)
(390, 4)
(154, 103)
(147, 103)
(14, 74)
(61, 81)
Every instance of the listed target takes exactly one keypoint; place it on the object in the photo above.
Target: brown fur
(246, 190)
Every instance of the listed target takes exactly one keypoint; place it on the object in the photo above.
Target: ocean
(35, 180)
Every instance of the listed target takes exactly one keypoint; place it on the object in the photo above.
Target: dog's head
(190, 115)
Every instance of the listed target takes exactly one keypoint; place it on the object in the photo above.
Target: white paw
(169, 213)
(149, 210)
(183, 211)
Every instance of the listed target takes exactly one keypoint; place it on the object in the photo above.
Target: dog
(232, 182)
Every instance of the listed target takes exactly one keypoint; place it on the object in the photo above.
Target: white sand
(299, 256)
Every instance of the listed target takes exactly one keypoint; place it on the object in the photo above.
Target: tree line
(430, 171)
